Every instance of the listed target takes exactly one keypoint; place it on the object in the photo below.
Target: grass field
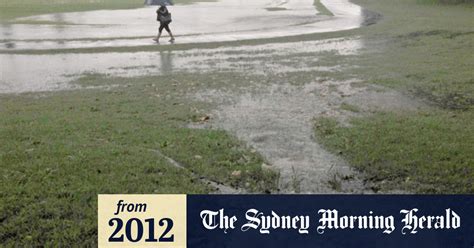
(60, 150)
(21, 8)
(424, 50)
(407, 152)
(13, 9)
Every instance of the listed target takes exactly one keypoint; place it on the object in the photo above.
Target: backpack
(165, 18)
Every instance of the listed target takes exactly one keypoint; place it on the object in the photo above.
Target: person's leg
(160, 30)
(169, 32)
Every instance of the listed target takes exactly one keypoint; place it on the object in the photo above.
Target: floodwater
(225, 20)
(277, 120)
(278, 116)
(33, 73)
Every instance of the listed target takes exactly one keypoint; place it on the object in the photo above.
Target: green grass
(418, 152)
(350, 107)
(276, 9)
(60, 150)
(20, 8)
(446, 1)
(322, 10)
(423, 50)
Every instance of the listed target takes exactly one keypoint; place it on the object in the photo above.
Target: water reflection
(10, 45)
(30, 73)
(6, 33)
(166, 58)
(59, 27)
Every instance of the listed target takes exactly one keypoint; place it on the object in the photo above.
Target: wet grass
(407, 151)
(59, 150)
(38, 22)
(422, 48)
(350, 107)
(425, 51)
(437, 68)
(276, 9)
(21, 8)
(322, 10)
(446, 1)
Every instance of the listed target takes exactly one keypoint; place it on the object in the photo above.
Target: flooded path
(225, 20)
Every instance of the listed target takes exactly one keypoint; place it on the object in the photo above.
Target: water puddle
(225, 20)
(277, 120)
(33, 73)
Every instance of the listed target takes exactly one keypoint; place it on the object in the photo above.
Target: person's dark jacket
(163, 15)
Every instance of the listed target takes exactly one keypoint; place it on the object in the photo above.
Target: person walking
(164, 17)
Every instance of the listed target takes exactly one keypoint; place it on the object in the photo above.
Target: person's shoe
(156, 40)
(172, 40)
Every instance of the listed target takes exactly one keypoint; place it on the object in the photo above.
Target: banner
(285, 221)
